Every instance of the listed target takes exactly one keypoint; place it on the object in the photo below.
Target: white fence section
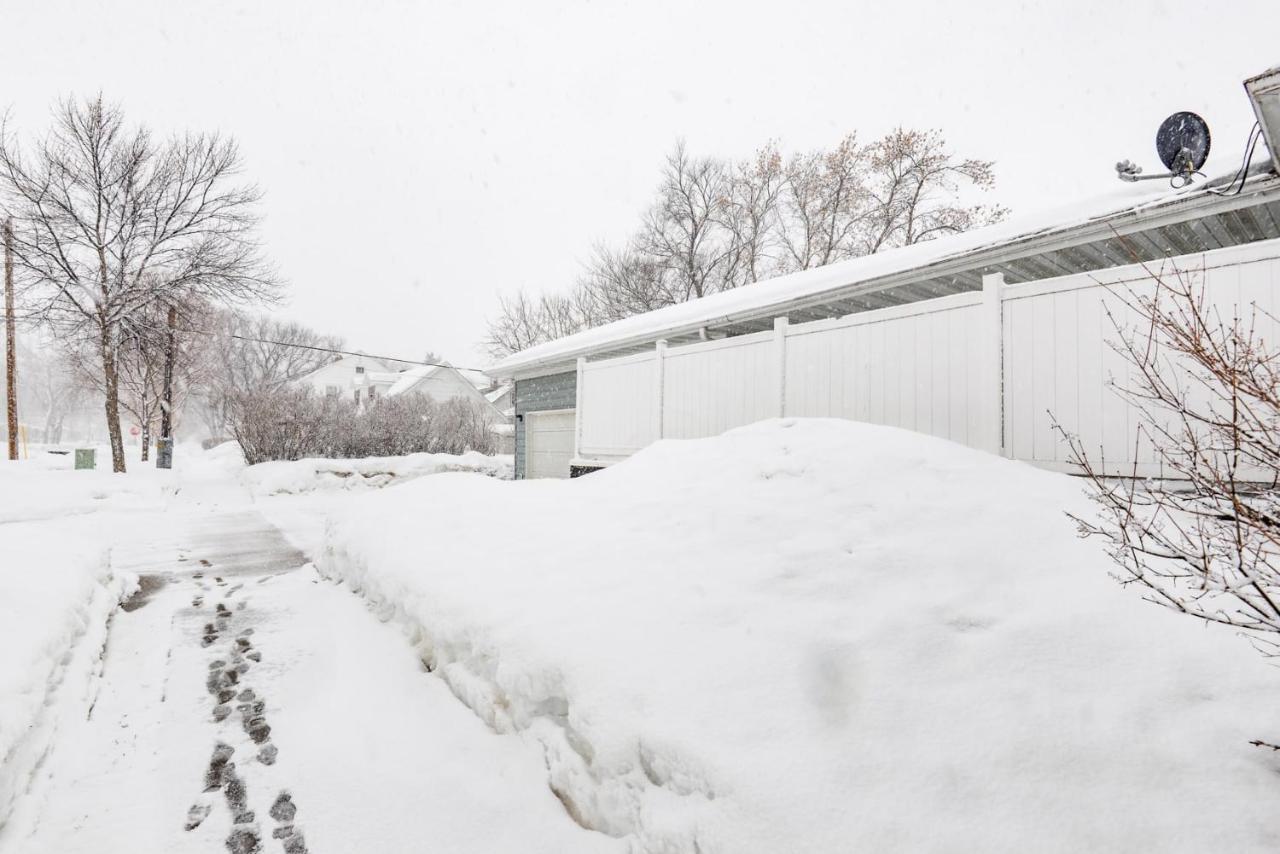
(989, 369)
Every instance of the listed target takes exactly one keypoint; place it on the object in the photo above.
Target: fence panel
(950, 367)
(712, 387)
(912, 369)
(1061, 361)
(619, 409)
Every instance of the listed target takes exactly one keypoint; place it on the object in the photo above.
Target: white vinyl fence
(989, 369)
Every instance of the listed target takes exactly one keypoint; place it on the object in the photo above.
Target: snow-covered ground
(802, 636)
(824, 636)
(311, 475)
(109, 722)
(57, 590)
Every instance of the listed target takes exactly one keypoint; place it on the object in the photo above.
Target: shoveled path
(247, 705)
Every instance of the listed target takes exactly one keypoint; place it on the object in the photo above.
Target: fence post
(992, 349)
(660, 385)
(577, 409)
(780, 343)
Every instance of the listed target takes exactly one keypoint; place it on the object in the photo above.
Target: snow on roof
(1122, 199)
(493, 395)
(410, 378)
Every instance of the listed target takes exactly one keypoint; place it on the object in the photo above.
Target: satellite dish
(1183, 143)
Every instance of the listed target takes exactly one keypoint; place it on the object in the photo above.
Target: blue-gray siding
(539, 394)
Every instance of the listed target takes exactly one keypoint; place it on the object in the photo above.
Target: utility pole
(164, 448)
(10, 341)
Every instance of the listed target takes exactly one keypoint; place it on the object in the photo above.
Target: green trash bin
(86, 458)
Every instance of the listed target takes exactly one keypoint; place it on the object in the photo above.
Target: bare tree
(50, 390)
(1208, 390)
(109, 221)
(915, 183)
(749, 213)
(825, 204)
(716, 226)
(250, 353)
(681, 233)
(524, 321)
(618, 285)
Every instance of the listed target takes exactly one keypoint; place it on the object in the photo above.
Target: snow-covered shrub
(295, 423)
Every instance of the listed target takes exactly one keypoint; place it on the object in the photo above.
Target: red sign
(134, 430)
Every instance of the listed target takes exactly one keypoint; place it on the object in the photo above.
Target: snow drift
(824, 636)
(309, 475)
(56, 592)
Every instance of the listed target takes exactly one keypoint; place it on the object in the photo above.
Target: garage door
(548, 442)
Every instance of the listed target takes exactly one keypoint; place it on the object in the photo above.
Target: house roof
(1133, 221)
(407, 379)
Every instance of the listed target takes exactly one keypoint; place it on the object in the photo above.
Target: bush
(293, 423)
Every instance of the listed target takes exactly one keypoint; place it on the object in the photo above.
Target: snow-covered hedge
(309, 475)
(823, 636)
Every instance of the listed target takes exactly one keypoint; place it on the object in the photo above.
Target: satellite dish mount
(1182, 142)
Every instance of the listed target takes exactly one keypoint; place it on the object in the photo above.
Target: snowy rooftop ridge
(1126, 200)
(407, 379)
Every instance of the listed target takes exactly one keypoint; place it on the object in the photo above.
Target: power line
(335, 351)
(36, 316)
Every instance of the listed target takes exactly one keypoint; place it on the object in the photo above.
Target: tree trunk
(166, 400)
(111, 382)
(146, 440)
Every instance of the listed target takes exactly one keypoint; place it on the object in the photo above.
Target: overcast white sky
(420, 158)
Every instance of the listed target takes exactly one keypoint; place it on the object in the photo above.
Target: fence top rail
(1231, 256)
(719, 344)
(951, 302)
(619, 361)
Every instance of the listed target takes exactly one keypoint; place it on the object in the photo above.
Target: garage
(548, 443)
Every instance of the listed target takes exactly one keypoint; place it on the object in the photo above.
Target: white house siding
(342, 375)
(990, 369)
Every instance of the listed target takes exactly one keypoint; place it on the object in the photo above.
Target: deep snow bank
(300, 476)
(56, 592)
(824, 636)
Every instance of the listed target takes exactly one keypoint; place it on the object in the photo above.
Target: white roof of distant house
(406, 380)
(1047, 242)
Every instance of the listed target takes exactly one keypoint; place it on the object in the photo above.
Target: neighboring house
(975, 337)
(441, 383)
(356, 378)
(502, 398)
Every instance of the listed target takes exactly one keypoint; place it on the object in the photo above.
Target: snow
(56, 591)
(309, 475)
(375, 755)
(106, 724)
(1122, 199)
(811, 635)
(409, 378)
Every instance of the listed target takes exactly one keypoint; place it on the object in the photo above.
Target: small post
(992, 349)
(780, 343)
(10, 342)
(660, 387)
